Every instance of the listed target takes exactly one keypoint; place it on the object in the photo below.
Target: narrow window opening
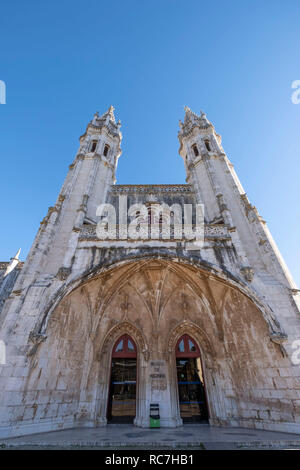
(149, 215)
(195, 149)
(94, 145)
(106, 149)
(207, 145)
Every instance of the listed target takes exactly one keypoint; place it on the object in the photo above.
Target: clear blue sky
(63, 60)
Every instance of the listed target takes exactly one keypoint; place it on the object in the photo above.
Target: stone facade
(77, 293)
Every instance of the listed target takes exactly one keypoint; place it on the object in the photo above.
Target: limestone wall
(63, 377)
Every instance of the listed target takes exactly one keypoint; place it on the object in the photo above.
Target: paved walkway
(123, 436)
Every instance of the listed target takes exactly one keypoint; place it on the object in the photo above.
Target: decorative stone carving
(278, 337)
(17, 292)
(295, 291)
(63, 273)
(83, 204)
(125, 306)
(36, 339)
(211, 232)
(152, 188)
(248, 273)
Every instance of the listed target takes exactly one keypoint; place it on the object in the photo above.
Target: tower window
(207, 145)
(149, 215)
(195, 149)
(106, 149)
(94, 145)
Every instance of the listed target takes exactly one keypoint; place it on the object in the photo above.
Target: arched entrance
(155, 302)
(122, 392)
(191, 388)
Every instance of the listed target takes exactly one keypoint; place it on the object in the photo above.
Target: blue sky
(63, 60)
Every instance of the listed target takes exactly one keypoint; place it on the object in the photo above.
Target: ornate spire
(107, 120)
(109, 114)
(106, 117)
(191, 120)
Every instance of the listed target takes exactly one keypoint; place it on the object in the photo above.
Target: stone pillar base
(101, 422)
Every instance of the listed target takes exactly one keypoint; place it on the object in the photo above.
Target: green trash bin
(154, 415)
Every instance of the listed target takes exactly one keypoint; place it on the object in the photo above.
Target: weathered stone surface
(78, 293)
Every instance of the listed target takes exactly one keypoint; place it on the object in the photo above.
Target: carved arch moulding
(119, 330)
(134, 264)
(188, 327)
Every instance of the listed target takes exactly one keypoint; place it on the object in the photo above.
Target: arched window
(191, 388)
(150, 214)
(124, 347)
(122, 392)
(207, 145)
(195, 149)
(106, 149)
(94, 145)
(187, 347)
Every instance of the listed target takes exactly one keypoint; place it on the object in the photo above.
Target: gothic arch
(209, 365)
(190, 328)
(177, 264)
(102, 369)
(119, 330)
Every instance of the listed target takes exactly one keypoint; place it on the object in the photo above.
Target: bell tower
(217, 186)
(86, 185)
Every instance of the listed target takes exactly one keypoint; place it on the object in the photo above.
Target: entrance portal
(122, 393)
(192, 398)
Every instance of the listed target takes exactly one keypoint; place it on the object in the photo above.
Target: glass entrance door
(122, 392)
(191, 390)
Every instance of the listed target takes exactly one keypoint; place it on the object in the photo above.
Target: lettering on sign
(158, 375)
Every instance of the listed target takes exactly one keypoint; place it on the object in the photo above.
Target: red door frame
(126, 352)
(122, 355)
(186, 354)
